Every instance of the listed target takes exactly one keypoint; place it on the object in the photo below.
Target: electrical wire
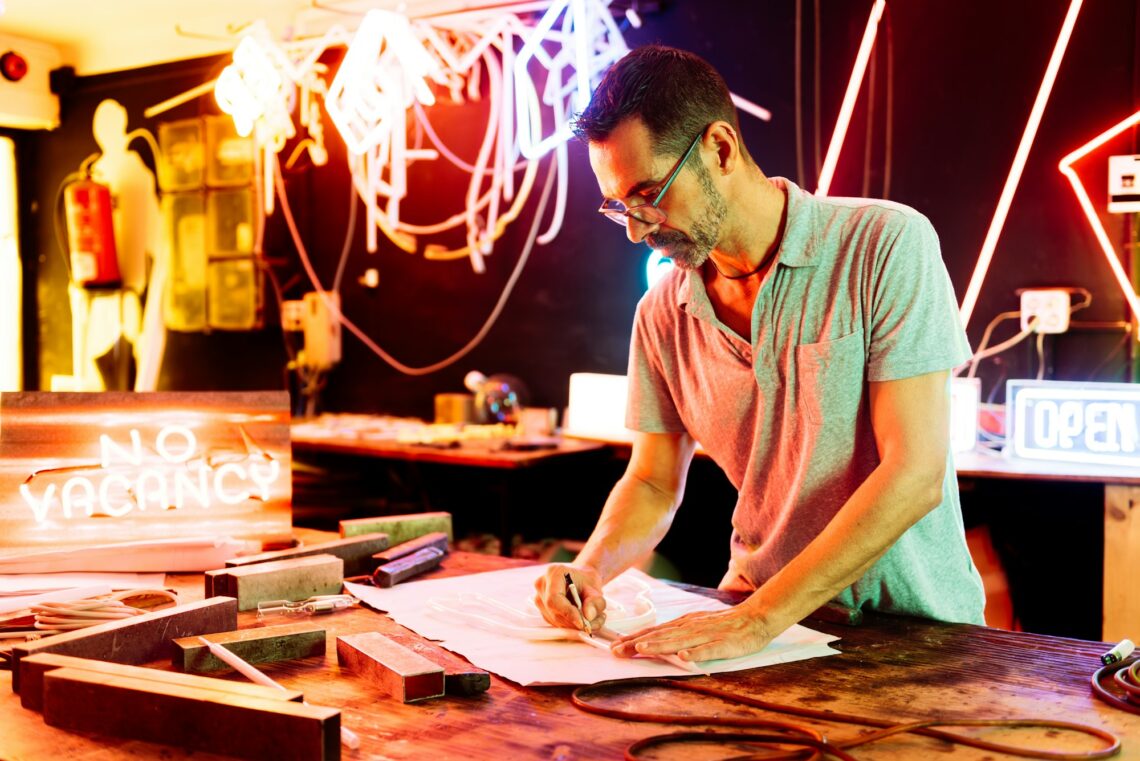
(79, 614)
(1126, 676)
(364, 338)
(1112, 353)
(148, 138)
(1040, 356)
(348, 236)
(998, 349)
(794, 734)
(985, 342)
(983, 352)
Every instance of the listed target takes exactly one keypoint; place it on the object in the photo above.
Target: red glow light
(1066, 167)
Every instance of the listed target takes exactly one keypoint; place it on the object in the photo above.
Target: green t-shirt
(858, 292)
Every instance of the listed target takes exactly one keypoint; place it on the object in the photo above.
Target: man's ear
(723, 136)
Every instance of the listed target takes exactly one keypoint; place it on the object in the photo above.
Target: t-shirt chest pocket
(830, 378)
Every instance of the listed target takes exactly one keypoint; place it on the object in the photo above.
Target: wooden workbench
(1121, 612)
(890, 667)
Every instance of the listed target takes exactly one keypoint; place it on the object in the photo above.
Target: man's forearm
(889, 502)
(634, 520)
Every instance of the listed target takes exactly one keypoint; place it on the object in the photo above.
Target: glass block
(235, 294)
(184, 217)
(230, 156)
(229, 221)
(180, 166)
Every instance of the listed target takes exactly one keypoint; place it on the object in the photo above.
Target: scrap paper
(435, 609)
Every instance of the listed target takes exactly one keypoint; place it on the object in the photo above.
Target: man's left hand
(701, 636)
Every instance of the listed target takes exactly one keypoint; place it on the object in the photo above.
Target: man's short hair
(675, 93)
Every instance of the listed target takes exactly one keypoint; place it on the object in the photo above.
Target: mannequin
(108, 324)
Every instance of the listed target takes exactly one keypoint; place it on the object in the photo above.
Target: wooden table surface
(890, 667)
(485, 453)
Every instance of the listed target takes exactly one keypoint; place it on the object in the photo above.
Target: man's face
(629, 172)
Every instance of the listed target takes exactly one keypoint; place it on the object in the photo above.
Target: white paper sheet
(538, 662)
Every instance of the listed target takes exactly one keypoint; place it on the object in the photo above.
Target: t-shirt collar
(793, 250)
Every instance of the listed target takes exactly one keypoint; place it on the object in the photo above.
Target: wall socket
(1050, 306)
(322, 330)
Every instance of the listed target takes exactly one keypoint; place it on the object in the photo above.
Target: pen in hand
(572, 590)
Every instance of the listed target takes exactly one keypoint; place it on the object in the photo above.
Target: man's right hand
(553, 598)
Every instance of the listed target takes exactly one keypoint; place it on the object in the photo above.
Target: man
(806, 344)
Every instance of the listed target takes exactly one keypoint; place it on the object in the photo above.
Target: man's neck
(755, 231)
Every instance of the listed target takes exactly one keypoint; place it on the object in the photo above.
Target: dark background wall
(947, 96)
(957, 80)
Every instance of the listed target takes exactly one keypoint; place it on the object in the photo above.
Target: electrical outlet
(293, 316)
(322, 330)
(1050, 306)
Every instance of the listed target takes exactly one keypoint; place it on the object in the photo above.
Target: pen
(577, 600)
(1118, 653)
(249, 671)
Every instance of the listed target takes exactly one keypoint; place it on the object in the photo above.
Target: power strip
(1051, 307)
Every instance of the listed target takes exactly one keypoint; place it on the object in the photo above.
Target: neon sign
(118, 466)
(164, 481)
(1075, 422)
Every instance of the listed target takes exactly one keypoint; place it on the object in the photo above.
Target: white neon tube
(969, 301)
(853, 86)
(1066, 167)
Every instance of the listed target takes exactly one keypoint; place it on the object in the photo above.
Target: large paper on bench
(530, 661)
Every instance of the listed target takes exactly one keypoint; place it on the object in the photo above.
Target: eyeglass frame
(622, 216)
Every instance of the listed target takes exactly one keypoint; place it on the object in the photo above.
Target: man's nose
(636, 230)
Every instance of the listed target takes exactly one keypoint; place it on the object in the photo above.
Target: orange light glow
(853, 86)
(96, 468)
(1066, 167)
(986, 255)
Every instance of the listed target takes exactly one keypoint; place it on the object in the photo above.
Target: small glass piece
(307, 607)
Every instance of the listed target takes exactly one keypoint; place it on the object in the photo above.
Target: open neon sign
(1095, 423)
(128, 480)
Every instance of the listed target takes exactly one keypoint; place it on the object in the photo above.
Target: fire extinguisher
(91, 235)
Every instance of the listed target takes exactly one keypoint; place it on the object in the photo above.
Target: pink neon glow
(1066, 167)
(853, 86)
(970, 300)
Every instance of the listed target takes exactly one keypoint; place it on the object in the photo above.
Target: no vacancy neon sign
(112, 467)
(1096, 423)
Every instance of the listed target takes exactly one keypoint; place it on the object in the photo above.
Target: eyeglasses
(647, 213)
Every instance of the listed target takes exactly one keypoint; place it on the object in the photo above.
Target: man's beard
(691, 251)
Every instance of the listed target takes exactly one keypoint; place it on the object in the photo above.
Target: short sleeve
(914, 320)
(649, 407)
